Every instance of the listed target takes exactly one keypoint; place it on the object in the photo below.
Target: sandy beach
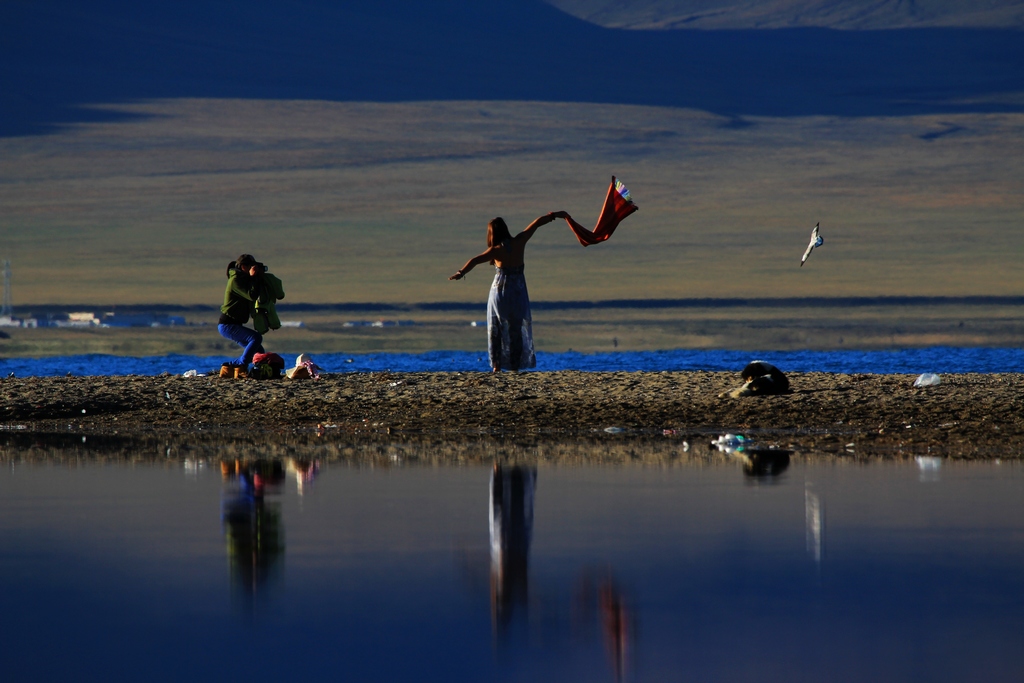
(966, 416)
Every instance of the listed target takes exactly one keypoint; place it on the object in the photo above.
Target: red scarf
(617, 205)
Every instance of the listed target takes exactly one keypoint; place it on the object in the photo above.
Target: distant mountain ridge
(58, 57)
(773, 14)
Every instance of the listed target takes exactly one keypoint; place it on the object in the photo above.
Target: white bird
(816, 241)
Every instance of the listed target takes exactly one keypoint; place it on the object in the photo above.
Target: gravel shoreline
(966, 416)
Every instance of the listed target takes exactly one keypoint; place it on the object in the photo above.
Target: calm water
(938, 359)
(891, 571)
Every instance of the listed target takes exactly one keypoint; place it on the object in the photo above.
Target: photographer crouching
(251, 292)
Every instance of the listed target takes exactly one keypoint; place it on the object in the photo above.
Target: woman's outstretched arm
(485, 257)
(528, 231)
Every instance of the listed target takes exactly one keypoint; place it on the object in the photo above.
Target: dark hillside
(57, 56)
(855, 15)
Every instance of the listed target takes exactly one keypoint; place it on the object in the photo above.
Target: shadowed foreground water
(293, 569)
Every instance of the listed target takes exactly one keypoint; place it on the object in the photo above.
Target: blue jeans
(250, 340)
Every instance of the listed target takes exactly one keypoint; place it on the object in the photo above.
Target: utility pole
(8, 309)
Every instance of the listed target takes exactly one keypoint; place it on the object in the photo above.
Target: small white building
(79, 319)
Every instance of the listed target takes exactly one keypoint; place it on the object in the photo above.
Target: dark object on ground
(265, 371)
(267, 366)
(761, 379)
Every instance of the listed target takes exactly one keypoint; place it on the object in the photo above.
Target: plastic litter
(614, 430)
(928, 379)
(190, 373)
(731, 442)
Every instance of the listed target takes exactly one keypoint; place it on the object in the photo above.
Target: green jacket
(239, 296)
(268, 290)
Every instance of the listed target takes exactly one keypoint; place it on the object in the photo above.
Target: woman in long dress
(509, 324)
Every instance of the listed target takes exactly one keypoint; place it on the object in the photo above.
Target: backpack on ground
(267, 366)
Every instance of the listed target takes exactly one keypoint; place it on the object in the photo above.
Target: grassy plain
(381, 202)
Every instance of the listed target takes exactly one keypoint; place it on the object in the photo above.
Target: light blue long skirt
(509, 325)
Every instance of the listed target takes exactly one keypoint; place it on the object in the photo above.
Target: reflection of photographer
(253, 528)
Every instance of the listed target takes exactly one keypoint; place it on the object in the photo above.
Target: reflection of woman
(239, 298)
(305, 472)
(615, 622)
(615, 617)
(511, 523)
(509, 324)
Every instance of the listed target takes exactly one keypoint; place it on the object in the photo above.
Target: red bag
(272, 359)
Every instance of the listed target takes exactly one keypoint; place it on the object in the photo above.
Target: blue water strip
(937, 359)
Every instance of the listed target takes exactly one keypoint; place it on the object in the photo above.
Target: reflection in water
(764, 463)
(758, 462)
(814, 520)
(929, 468)
(695, 573)
(511, 524)
(616, 619)
(252, 526)
(305, 472)
(614, 616)
(600, 601)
